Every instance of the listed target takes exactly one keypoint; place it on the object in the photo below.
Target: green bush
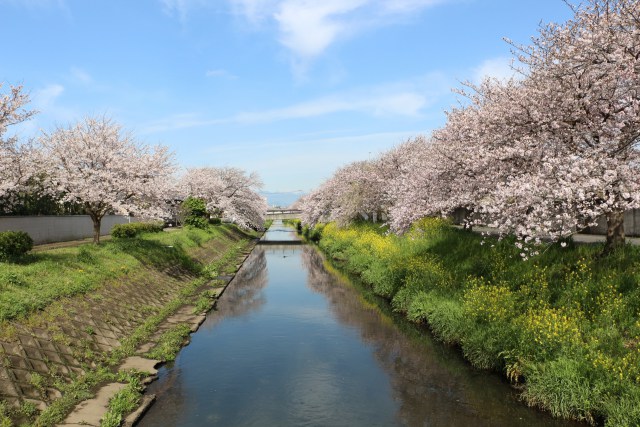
(314, 234)
(14, 244)
(196, 222)
(135, 228)
(195, 213)
(215, 221)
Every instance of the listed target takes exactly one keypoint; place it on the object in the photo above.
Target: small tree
(195, 212)
(95, 163)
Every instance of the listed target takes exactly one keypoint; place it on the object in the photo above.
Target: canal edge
(90, 412)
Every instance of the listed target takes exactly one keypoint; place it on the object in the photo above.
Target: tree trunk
(96, 227)
(615, 231)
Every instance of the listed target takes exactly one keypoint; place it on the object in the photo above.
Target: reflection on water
(289, 344)
(278, 232)
(432, 383)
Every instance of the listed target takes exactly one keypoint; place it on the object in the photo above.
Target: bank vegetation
(563, 326)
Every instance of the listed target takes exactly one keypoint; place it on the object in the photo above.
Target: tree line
(540, 155)
(96, 167)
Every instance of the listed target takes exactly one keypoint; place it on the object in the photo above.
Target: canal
(293, 344)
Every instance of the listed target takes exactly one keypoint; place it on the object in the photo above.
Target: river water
(292, 344)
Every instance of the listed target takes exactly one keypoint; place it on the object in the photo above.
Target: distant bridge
(283, 213)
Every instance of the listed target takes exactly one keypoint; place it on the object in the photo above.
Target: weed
(123, 402)
(37, 381)
(204, 302)
(170, 343)
(86, 255)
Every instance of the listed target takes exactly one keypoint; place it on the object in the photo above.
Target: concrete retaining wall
(49, 229)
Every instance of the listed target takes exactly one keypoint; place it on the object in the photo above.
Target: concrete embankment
(79, 352)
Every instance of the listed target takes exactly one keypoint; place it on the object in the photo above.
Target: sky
(291, 89)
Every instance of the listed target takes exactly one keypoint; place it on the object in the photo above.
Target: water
(291, 344)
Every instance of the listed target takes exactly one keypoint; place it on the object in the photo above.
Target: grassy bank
(71, 299)
(562, 326)
(42, 277)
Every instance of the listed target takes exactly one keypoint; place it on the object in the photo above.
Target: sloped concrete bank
(63, 365)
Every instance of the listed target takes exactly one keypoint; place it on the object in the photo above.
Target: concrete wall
(49, 229)
(631, 224)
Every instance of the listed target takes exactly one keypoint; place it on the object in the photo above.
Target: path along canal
(292, 344)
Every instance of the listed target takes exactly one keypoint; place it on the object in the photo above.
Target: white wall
(48, 229)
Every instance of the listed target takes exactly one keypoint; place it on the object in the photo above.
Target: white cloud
(497, 68)
(401, 99)
(254, 11)
(221, 73)
(44, 98)
(307, 28)
(178, 121)
(337, 140)
(407, 6)
(398, 104)
(81, 75)
(181, 8)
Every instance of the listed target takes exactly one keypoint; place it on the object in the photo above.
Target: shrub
(314, 234)
(195, 213)
(133, 229)
(215, 221)
(14, 244)
(196, 222)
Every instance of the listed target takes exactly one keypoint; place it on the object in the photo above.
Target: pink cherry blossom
(97, 164)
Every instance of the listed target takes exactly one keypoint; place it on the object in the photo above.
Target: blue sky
(291, 89)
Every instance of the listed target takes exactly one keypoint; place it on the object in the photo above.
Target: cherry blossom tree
(354, 191)
(15, 166)
(564, 139)
(546, 154)
(316, 206)
(228, 192)
(361, 189)
(97, 164)
(539, 156)
(585, 75)
(424, 183)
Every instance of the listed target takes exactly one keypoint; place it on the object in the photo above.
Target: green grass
(43, 277)
(204, 302)
(170, 343)
(82, 388)
(564, 325)
(123, 402)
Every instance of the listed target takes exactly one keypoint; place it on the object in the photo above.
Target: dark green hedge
(135, 228)
(14, 244)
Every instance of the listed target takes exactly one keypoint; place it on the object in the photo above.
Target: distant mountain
(282, 199)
